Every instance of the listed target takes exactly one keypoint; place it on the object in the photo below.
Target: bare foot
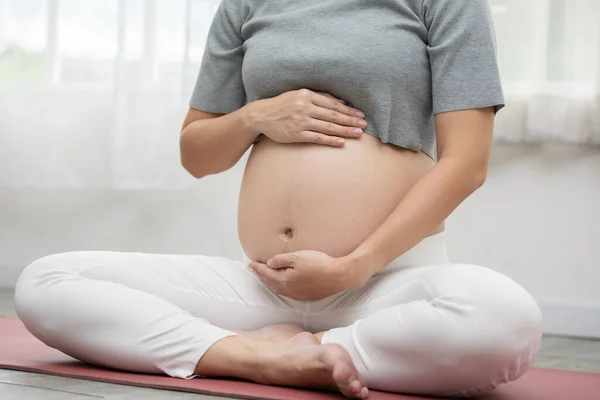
(302, 362)
(273, 333)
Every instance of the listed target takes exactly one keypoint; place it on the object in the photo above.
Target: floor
(557, 352)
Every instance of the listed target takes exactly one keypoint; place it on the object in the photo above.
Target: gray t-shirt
(398, 61)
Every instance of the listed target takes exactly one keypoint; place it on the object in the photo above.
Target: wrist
(251, 118)
(358, 268)
(366, 260)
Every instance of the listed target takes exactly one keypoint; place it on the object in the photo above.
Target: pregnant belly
(306, 196)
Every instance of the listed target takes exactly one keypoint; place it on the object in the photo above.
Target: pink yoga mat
(19, 350)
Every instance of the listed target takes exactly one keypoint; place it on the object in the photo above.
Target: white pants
(421, 325)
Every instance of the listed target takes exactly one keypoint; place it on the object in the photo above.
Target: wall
(537, 219)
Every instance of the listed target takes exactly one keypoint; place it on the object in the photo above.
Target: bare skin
(280, 355)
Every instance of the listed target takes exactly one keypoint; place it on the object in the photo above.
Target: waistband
(429, 251)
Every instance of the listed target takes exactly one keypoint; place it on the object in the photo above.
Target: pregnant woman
(369, 123)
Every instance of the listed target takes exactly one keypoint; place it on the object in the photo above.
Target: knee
(506, 349)
(518, 335)
(35, 283)
(504, 330)
(510, 311)
(497, 300)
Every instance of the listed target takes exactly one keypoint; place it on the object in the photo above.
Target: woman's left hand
(309, 275)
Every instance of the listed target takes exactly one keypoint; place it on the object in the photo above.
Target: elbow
(470, 181)
(469, 174)
(478, 180)
(196, 173)
(194, 164)
(190, 159)
(198, 160)
(477, 175)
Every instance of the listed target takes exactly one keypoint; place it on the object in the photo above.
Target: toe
(355, 387)
(348, 380)
(345, 375)
(342, 375)
(364, 393)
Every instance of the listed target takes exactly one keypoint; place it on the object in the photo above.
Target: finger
(338, 118)
(280, 261)
(324, 101)
(320, 138)
(332, 129)
(272, 285)
(331, 96)
(263, 271)
(275, 286)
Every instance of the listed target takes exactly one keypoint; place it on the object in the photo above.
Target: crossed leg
(469, 327)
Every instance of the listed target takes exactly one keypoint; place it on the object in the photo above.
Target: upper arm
(466, 136)
(219, 87)
(465, 78)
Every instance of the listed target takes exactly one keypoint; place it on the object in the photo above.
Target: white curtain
(549, 54)
(93, 92)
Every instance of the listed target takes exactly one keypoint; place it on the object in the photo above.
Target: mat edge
(129, 383)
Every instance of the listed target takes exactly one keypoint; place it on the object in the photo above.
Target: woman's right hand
(307, 116)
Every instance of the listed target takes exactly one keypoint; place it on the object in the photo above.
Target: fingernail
(360, 114)
(364, 393)
(270, 262)
(357, 131)
(362, 123)
(340, 141)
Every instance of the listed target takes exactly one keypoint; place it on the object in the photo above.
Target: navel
(287, 234)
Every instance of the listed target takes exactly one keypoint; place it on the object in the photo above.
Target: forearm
(212, 145)
(424, 208)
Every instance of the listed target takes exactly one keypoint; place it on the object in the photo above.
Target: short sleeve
(219, 87)
(462, 55)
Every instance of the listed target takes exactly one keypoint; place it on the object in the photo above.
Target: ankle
(235, 356)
